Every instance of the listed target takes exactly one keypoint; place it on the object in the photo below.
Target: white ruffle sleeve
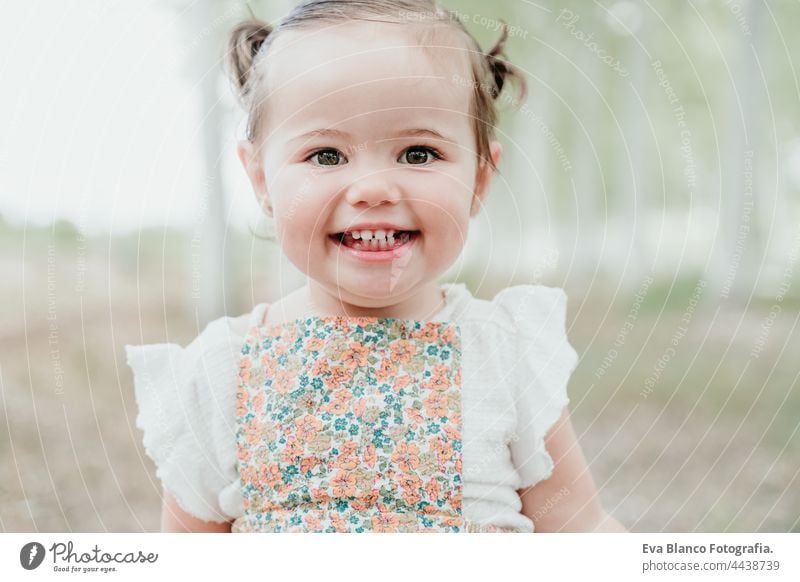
(544, 362)
(186, 399)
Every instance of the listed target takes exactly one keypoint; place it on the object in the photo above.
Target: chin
(372, 292)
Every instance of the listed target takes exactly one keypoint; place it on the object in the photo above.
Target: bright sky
(100, 119)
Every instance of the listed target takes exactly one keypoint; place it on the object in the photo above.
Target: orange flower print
(241, 403)
(414, 414)
(336, 406)
(252, 432)
(258, 401)
(307, 427)
(348, 447)
(402, 350)
(320, 495)
(321, 368)
(432, 489)
(385, 523)
(343, 484)
(359, 407)
(412, 497)
(436, 404)
(443, 450)
(250, 476)
(370, 456)
(387, 370)
(339, 375)
(406, 456)
(338, 523)
(410, 481)
(284, 381)
(313, 344)
(446, 452)
(307, 402)
(347, 459)
(356, 356)
(363, 321)
(289, 336)
(312, 523)
(293, 450)
(449, 334)
(438, 379)
(308, 464)
(412, 488)
(270, 474)
(343, 395)
(346, 462)
(369, 498)
(428, 333)
(452, 431)
(402, 382)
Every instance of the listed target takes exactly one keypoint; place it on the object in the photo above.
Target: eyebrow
(414, 132)
(421, 132)
(321, 133)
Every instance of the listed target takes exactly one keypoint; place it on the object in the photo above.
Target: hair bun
(501, 69)
(497, 66)
(244, 42)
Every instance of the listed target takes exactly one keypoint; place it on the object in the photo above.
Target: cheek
(300, 202)
(447, 207)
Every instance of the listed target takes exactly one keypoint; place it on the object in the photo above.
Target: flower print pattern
(351, 424)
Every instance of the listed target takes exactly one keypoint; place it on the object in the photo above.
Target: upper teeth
(373, 234)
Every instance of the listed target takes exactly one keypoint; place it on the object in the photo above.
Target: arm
(567, 501)
(175, 519)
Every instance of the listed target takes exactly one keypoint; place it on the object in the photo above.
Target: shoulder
(186, 401)
(219, 340)
(530, 311)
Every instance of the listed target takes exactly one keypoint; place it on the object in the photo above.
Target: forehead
(366, 73)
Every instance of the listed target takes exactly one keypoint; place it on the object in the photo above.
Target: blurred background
(653, 173)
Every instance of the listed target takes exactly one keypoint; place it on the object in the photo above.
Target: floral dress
(351, 424)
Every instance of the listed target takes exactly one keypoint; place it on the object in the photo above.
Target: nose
(373, 189)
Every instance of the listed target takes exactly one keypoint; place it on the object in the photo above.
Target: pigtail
(502, 71)
(244, 42)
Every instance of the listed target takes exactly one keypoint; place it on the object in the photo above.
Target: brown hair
(248, 44)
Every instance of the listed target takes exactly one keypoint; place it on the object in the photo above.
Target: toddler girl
(372, 399)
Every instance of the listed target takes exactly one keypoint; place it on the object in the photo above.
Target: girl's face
(366, 135)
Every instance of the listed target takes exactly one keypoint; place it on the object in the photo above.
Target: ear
(483, 177)
(248, 154)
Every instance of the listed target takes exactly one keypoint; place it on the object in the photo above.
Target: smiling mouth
(370, 242)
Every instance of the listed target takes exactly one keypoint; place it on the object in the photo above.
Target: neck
(424, 303)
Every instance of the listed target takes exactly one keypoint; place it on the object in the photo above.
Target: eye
(328, 157)
(420, 155)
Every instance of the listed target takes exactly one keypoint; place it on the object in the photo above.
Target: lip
(375, 226)
(386, 256)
